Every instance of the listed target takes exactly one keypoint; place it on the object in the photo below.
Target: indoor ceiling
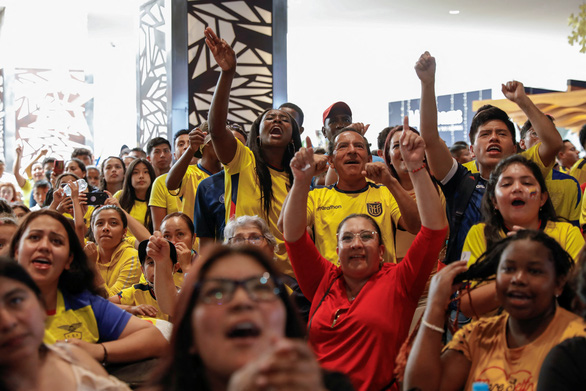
(527, 15)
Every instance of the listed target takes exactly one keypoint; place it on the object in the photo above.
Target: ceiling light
(454, 12)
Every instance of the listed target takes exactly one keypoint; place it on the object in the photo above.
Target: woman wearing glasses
(250, 230)
(237, 330)
(362, 309)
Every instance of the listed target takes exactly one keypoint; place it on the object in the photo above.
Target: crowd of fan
(249, 260)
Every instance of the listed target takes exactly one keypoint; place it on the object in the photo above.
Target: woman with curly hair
(258, 176)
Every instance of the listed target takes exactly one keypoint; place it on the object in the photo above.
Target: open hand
(222, 52)
(143, 310)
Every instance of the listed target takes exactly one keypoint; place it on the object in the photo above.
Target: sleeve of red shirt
(308, 264)
(415, 268)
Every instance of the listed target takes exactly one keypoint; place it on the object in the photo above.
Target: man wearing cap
(184, 178)
(336, 117)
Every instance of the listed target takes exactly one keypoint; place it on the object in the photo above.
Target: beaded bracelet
(432, 326)
(419, 169)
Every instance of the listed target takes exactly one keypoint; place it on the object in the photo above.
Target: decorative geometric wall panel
(152, 72)
(2, 114)
(247, 27)
(50, 111)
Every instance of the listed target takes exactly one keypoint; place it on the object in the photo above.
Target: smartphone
(96, 198)
(59, 167)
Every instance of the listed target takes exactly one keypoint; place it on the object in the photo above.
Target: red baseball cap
(338, 105)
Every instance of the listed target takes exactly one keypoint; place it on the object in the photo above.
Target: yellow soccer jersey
(122, 271)
(84, 316)
(531, 154)
(141, 294)
(578, 171)
(328, 206)
(188, 188)
(138, 211)
(566, 234)
(161, 197)
(27, 189)
(583, 212)
(87, 217)
(243, 197)
(565, 194)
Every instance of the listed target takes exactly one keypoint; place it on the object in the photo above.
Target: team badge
(374, 209)
(71, 333)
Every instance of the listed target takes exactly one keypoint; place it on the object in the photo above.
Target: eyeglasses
(365, 236)
(255, 240)
(221, 290)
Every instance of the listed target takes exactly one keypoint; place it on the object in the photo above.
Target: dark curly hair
(492, 217)
(181, 369)
(80, 275)
(263, 174)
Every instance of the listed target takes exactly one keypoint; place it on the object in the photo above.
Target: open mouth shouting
(276, 131)
(41, 263)
(494, 149)
(243, 332)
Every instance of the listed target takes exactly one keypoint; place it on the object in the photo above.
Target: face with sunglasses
(237, 316)
(359, 248)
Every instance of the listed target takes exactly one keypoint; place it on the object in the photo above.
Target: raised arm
(78, 214)
(175, 176)
(165, 290)
(320, 163)
(431, 211)
(16, 167)
(424, 370)
(551, 140)
(294, 212)
(438, 153)
(224, 142)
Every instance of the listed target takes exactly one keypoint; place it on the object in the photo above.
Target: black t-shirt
(564, 368)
